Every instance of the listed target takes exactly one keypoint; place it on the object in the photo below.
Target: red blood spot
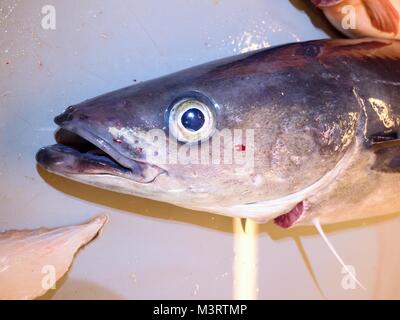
(117, 141)
(240, 148)
(289, 219)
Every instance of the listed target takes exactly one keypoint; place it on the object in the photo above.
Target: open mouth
(78, 152)
(289, 219)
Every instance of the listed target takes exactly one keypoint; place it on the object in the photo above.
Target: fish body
(363, 18)
(305, 130)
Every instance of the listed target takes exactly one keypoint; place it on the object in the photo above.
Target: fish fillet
(31, 261)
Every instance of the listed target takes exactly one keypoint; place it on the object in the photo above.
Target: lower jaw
(289, 219)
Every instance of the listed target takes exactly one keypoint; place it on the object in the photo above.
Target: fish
(31, 261)
(363, 18)
(293, 133)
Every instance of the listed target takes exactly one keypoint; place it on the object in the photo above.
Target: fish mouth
(287, 220)
(80, 152)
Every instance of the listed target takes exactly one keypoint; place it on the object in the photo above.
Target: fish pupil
(193, 119)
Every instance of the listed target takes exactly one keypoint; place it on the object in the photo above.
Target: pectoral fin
(384, 139)
(383, 15)
(387, 157)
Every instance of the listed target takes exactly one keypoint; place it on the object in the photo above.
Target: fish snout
(70, 114)
(66, 116)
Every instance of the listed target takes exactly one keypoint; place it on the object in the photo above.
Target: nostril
(64, 117)
(68, 115)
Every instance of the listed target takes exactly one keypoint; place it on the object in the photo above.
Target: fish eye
(191, 120)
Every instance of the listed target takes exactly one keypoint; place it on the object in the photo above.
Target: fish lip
(124, 162)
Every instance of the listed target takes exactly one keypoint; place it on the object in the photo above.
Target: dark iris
(193, 119)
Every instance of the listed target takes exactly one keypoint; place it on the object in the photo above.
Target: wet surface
(150, 249)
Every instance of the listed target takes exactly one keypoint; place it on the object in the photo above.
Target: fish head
(221, 137)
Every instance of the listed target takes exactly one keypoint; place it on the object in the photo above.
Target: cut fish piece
(31, 261)
(363, 18)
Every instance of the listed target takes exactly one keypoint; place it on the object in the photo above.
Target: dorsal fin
(383, 15)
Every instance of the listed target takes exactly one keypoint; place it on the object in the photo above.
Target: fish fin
(387, 157)
(384, 139)
(383, 15)
(318, 226)
(386, 146)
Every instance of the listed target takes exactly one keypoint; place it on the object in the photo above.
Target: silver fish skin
(323, 119)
